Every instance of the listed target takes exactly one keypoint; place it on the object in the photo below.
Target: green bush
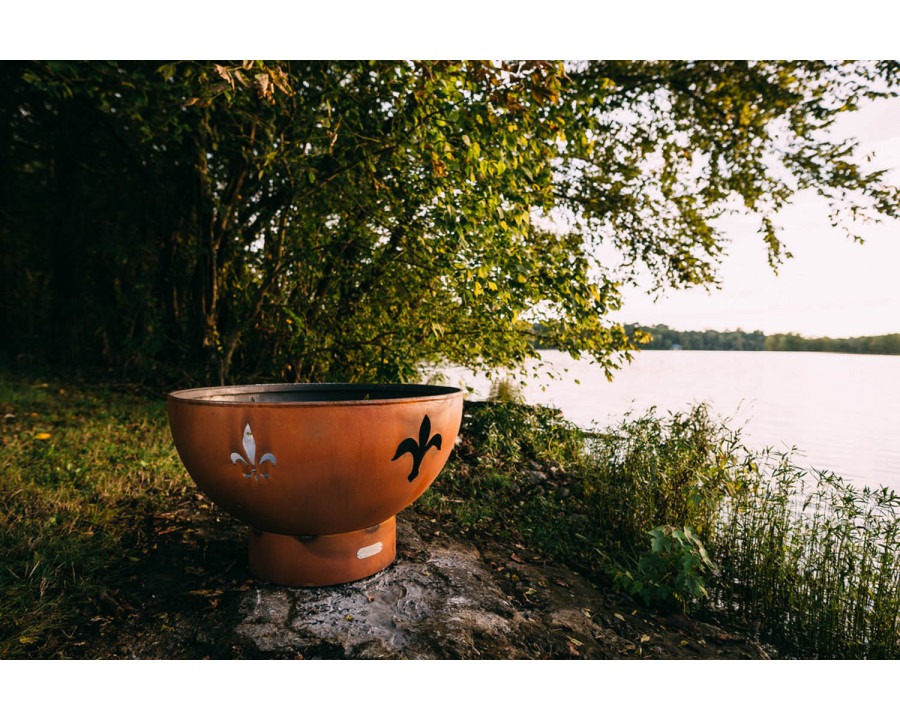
(508, 433)
(649, 472)
(672, 572)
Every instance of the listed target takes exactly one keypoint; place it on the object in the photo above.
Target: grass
(81, 472)
(807, 563)
(89, 480)
(812, 562)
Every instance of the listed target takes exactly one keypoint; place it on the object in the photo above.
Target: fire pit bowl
(318, 471)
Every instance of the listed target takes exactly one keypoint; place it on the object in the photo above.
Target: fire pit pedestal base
(316, 560)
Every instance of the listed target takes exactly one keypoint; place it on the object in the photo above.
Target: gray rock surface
(448, 598)
(444, 597)
(435, 601)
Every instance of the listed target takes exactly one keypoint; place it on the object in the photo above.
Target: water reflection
(842, 412)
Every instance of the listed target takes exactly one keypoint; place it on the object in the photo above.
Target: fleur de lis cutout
(418, 449)
(254, 470)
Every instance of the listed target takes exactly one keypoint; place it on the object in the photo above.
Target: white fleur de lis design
(254, 469)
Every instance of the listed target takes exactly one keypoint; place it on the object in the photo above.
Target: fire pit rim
(201, 396)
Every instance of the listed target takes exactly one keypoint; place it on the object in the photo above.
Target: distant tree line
(871, 345)
(662, 337)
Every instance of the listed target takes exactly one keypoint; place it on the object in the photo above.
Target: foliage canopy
(346, 220)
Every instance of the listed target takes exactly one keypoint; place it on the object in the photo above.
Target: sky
(831, 287)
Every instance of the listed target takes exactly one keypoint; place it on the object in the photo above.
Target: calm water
(842, 412)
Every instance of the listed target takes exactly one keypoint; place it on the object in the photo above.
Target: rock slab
(446, 598)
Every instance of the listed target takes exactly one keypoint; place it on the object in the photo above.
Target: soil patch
(445, 596)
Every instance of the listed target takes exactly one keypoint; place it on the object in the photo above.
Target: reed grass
(811, 562)
(807, 561)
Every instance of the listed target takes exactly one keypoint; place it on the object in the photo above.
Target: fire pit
(318, 471)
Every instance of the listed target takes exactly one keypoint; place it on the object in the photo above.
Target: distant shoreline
(662, 337)
(665, 338)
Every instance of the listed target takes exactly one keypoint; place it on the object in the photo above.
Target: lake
(842, 412)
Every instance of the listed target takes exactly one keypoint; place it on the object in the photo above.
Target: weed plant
(811, 562)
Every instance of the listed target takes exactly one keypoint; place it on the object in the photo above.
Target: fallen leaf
(586, 612)
(205, 593)
(561, 582)
(348, 617)
(645, 638)
(27, 640)
(42, 436)
(515, 558)
(575, 642)
(619, 617)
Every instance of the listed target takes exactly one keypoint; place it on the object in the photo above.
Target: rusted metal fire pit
(319, 471)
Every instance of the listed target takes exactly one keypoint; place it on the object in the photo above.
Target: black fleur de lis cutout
(418, 449)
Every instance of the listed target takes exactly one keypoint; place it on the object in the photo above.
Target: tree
(347, 220)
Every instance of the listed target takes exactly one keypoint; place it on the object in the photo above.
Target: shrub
(672, 572)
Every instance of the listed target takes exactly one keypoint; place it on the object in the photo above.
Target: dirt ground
(448, 597)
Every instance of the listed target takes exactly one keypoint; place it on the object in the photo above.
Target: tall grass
(647, 472)
(812, 563)
(807, 561)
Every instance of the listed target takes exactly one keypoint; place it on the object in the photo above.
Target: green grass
(812, 562)
(805, 562)
(81, 471)
(809, 564)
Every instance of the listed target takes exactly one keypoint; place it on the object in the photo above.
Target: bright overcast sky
(831, 287)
